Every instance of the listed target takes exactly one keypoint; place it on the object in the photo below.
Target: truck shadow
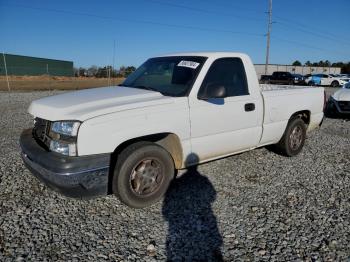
(332, 115)
(193, 233)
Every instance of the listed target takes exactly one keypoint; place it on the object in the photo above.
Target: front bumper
(340, 108)
(79, 177)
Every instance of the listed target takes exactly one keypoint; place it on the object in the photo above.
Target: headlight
(69, 128)
(68, 149)
(64, 137)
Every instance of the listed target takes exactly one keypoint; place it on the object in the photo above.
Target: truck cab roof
(208, 54)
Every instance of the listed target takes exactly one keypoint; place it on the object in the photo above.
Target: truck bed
(282, 101)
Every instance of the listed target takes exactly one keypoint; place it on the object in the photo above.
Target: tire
(311, 83)
(286, 145)
(142, 174)
(335, 84)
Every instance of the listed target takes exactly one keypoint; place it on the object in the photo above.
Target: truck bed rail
(267, 87)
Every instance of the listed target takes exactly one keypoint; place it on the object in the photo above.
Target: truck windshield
(171, 76)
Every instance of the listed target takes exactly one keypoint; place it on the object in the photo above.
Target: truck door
(221, 126)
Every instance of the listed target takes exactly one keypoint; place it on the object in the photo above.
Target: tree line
(345, 67)
(106, 71)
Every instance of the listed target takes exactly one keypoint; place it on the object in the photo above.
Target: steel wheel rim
(146, 177)
(296, 138)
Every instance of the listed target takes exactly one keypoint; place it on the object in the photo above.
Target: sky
(94, 32)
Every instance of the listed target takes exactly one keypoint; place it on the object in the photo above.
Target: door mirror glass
(213, 91)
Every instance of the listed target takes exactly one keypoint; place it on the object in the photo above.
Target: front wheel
(293, 138)
(142, 174)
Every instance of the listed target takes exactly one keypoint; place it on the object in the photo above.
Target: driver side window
(227, 72)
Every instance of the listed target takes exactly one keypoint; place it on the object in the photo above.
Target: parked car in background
(325, 80)
(307, 78)
(312, 80)
(339, 102)
(279, 77)
(264, 79)
(298, 79)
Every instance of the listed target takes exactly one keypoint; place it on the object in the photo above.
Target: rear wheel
(335, 84)
(142, 174)
(293, 138)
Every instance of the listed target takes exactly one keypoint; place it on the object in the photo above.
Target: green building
(33, 66)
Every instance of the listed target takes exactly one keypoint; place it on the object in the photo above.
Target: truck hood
(342, 95)
(84, 104)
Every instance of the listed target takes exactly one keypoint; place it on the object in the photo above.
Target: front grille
(41, 130)
(344, 105)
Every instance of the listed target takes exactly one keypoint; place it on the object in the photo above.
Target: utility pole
(268, 37)
(7, 77)
(113, 65)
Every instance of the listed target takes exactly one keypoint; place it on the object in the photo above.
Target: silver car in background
(339, 102)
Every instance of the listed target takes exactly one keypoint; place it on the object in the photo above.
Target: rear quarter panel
(280, 105)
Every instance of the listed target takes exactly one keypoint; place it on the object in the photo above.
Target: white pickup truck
(173, 112)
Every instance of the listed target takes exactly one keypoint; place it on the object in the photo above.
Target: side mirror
(213, 91)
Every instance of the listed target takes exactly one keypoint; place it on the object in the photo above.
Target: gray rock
(263, 206)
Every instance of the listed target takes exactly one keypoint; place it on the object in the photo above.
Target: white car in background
(339, 102)
(326, 80)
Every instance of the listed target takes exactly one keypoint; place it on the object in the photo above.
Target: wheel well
(168, 141)
(304, 115)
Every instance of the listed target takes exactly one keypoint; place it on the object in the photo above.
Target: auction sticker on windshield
(189, 64)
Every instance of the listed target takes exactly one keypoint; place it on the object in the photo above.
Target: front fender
(105, 133)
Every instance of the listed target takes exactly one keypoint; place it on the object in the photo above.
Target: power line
(302, 25)
(233, 6)
(337, 39)
(162, 24)
(290, 24)
(136, 21)
(287, 24)
(308, 46)
(203, 10)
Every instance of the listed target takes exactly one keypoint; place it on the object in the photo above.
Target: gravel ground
(252, 206)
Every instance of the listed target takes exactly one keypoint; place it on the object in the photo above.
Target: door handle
(249, 107)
